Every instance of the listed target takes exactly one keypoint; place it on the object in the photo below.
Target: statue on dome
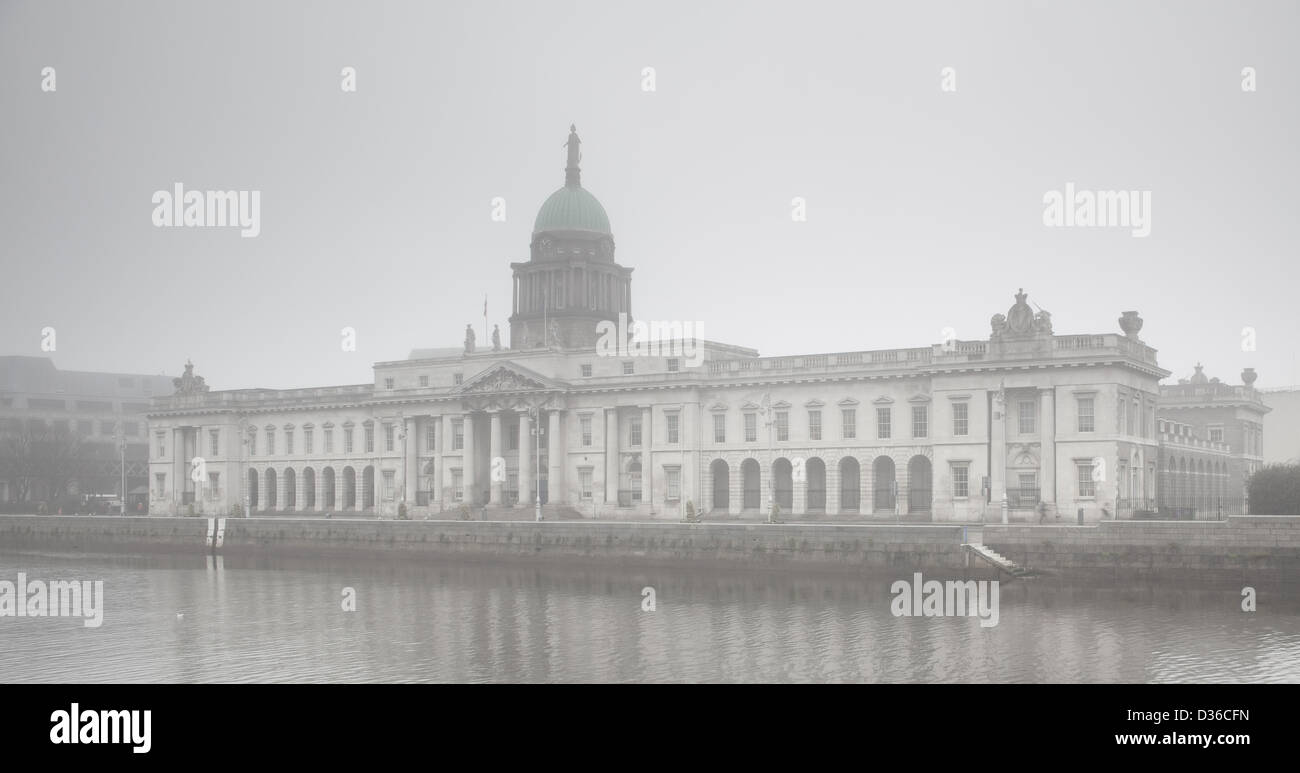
(469, 339)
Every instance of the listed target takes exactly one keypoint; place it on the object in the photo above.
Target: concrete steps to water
(998, 560)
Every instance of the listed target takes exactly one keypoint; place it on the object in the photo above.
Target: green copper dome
(572, 208)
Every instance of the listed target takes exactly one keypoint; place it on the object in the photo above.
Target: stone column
(494, 452)
(470, 489)
(998, 452)
(833, 488)
(411, 475)
(555, 469)
(526, 443)
(799, 495)
(1047, 465)
(647, 444)
(180, 471)
(611, 456)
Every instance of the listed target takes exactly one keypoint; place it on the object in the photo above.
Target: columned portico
(555, 469)
(494, 453)
(526, 443)
(468, 481)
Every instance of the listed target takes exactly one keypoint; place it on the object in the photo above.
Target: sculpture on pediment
(469, 339)
(189, 384)
(999, 324)
(503, 380)
(1020, 318)
(1043, 322)
(496, 338)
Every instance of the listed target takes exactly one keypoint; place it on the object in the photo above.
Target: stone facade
(958, 431)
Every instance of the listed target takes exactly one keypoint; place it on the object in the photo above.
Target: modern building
(62, 432)
(945, 431)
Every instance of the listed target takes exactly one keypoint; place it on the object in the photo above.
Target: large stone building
(1212, 441)
(947, 431)
(62, 433)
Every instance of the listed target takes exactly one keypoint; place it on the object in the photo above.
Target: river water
(200, 619)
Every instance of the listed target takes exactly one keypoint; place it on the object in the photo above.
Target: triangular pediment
(508, 377)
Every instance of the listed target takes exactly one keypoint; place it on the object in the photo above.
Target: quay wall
(1247, 548)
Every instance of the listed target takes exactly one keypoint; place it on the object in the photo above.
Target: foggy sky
(924, 207)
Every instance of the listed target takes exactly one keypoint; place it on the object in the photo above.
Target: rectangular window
(719, 428)
(849, 423)
(214, 485)
(1027, 417)
(270, 442)
(431, 435)
(160, 482)
(1087, 419)
(814, 425)
(329, 440)
(674, 421)
(584, 482)
(252, 443)
(390, 440)
(288, 441)
(782, 426)
(634, 432)
(107, 428)
(458, 435)
(388, 383)
(1216, 434)
(961, 480)
(370, 438)
(920, 421)
(628, 368)
(457, 484)
(584, 423)
(347, 440)
(308, 438)
(1132, 418)
(751, 428)
(162, 445)
(883, 421)
(586, 371)
(389, 476)
(673, 365)
(512, 439)
(1120, 413)
(424, 381)
(1086, 487)
(960, 419)
(673, 483)
(458, 379)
